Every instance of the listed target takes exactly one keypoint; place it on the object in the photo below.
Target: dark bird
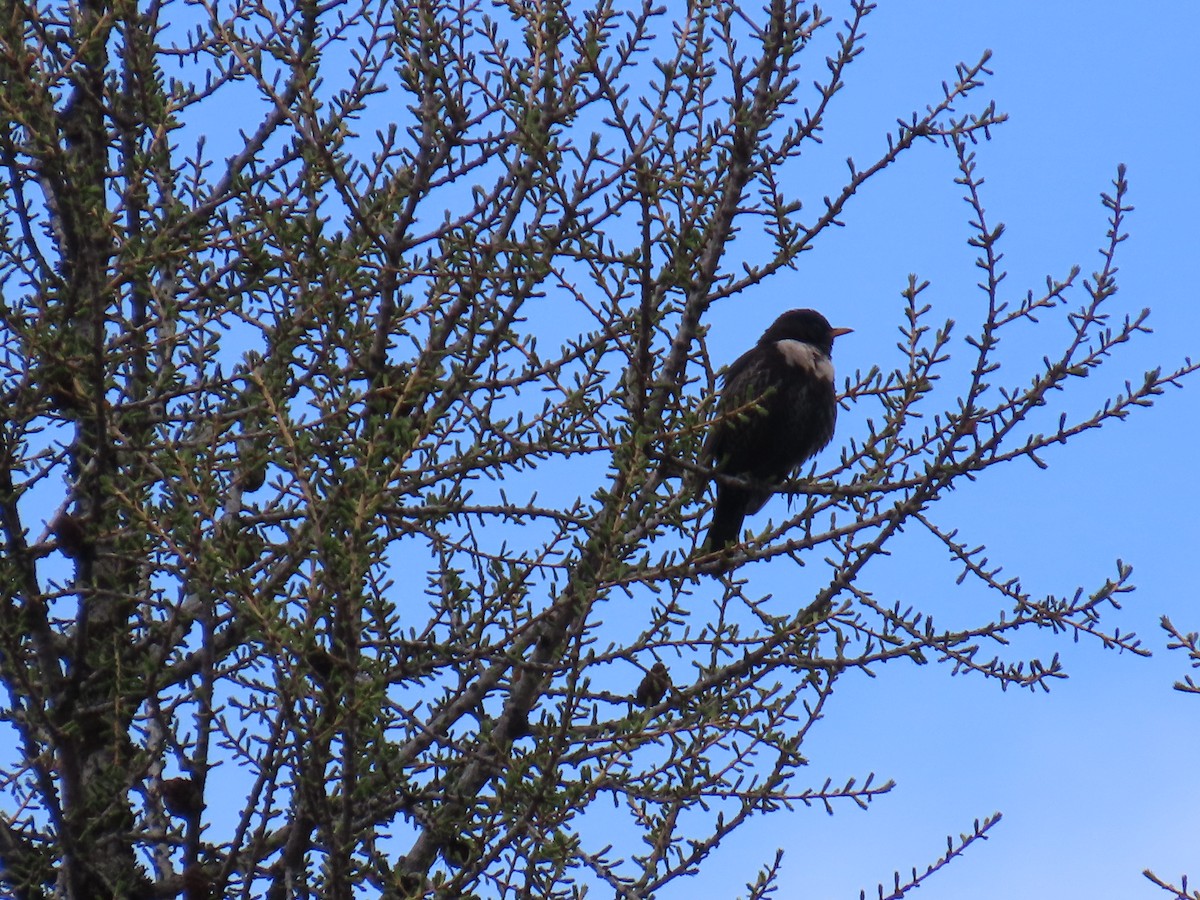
(654, 686)
(182, 797)
(777, 409)
(72, 539)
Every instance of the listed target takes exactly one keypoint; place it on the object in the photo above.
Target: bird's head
(805, 325)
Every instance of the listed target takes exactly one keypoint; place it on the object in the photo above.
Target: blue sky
(1096, 780)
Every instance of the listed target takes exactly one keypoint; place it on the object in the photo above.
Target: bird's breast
(807, 358)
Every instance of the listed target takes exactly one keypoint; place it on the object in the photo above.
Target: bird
(182, 797)
(654, 686)
(777, 409)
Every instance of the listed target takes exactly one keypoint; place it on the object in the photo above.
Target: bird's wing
(745, 384)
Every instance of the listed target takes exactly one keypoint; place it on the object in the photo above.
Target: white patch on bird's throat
(806, 356)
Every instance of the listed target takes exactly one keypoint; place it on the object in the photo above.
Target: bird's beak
(838, 332)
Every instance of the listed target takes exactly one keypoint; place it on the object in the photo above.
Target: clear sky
(1098, 779)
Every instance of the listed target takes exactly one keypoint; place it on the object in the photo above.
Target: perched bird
(72, 540)
(654, 686)
(182, 797)
(777, 409)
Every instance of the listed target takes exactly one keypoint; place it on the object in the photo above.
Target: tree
(372, 444)
(1190, 644)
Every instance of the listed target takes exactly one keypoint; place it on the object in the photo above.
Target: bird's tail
(726, 526)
